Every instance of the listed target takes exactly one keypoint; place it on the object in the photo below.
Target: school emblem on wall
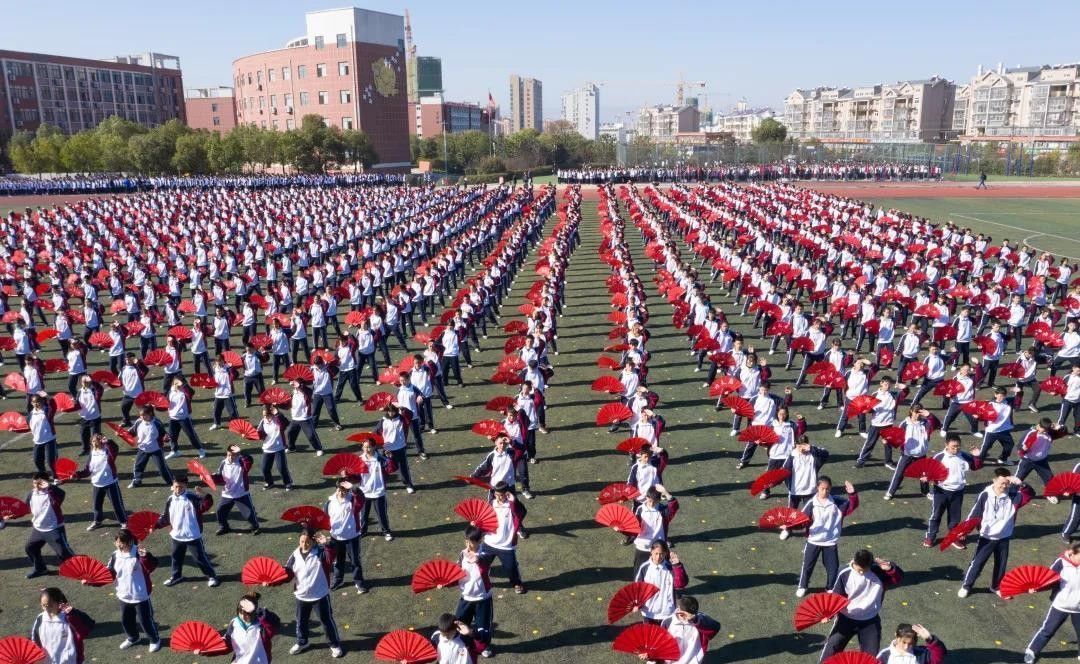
(385, 76)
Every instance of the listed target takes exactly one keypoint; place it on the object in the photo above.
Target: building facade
(663, 123)
(739, 124)
(349, 69)
(1020, 104)
(581, 108)
(917, 111)
(73, 94)
(211, 108)
(526, 104)
(434, 115)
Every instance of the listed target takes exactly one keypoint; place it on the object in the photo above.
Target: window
(262, 100)
(288, 99)
(319, 43)
(258, 77)
(303, 98)
(345, 97)
(290, 124)
(217, 121)
(213, 108)
(271, 75)
(273, 101)
(301, 71)
(346, 123)
(343, 69)
(341, 40)
(274, 124)
(320, 70)
(326, 122)
(286, 73)
(324, 97)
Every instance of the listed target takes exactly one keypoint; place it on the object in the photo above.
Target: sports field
(744, 577)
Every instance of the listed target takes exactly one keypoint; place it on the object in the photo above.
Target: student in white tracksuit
(344, 508)
(250, 631)
(309, 567)
(863, 583)
(664, 570)
(691, 629)
(916, 429)
(823, 533)
(996, 506)
(1064, 605)
(131, 567)
(59, 629)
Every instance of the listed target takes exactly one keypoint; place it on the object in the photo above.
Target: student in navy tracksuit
(664, 570)
(60, 629)
(182, 511)
(905, 648)
(302, 419)
(232, 474)
(691, 629)
(344, 508)
(101, 469)
(309, 567)
(475, 608)
(1064, 603)
(43, 433)
(251, 631)
(863, 583)
(502, 543)
(804, 464)
(149, 433)
(996, 506)
(47, 523)
(502, 464)
(948, 494)
(393, 427)
(131, 567)
(89, 402)
(1034, 450)
(827, 516)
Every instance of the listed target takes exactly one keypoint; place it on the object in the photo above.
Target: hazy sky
(635, 50)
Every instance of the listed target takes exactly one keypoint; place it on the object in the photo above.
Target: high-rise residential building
(348, 69)
(78, 93)
(581, 108)
(663, 123)
(1022, 103)
(211, 108)
(904, 112)
(526, 104)
(428, 76)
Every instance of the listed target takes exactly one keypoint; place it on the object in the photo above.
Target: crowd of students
(783, 170)
(107, 183)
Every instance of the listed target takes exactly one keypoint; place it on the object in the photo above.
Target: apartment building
(1021, 103)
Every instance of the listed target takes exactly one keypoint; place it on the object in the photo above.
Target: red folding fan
(1063, 485)
(783, 517)
(180, 333)
(769, 479)
(514, 344)
(197, 638)
(13, 508)
(738, 405)
(606, 362)
(275, 396)
(893, 436)
(1027, 579)
(1052, 385)
(759, 434)
(20, 650)
(820, 366)
(100, 340)
(618, 517)
(628, 599)
(46, 335)
(106, 377)
(244, 429)
(886, 356)
(202, 381)
(474, 481)
(405, 647)
(158, 357)
(307, 514)
(157, 400)
(609, 384)
(261, 342)
(55, 365)
(932, 469)
(347, 461)
(818, 608)
(87, 570)
(499, 404)
(262, 570)
(488, 428)
(649, 640)
(300, 373)
(724, 385)
(122, 433)
(957, 534)
(141, 524)
(378, 401)
(502, 377)
(851, 657)
(802, 345)
(436, 574)
(512, 364)
(980, 410)
(516, 327)
(612, 413)
(478, 513)
(632, 445)
(913, 371)
(1011, 370)
(199, 470)
(388, 376)
(948, 388)
(365, 436)
(617, 492)
(15, 381)
(14, 422)
(831, 379)
(864, 403)
(65, 468)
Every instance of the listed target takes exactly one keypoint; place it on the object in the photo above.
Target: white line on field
(1017, 228)
(13, 440)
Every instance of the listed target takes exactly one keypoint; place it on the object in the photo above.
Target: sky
(635, 51)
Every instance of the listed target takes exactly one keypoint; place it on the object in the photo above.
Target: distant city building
(526, 104)
(349, 69)
(904, 112)
(434, 115)
(740, 123)
(616, 130)
(581, 108)
(73, 94)
(1022, 103)
(663, 123)
(428, 76)
(211, 108)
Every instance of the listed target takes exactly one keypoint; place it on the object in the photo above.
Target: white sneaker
(733, 432)
(800, 592)
(820, 407)
(449, 406)
(977, 434)
(172, 455)
(943, 434)
(409, 489)
(1029, 657)
(962, 593)
(763, 496)
(784, 534)
(202, 453)
(127, 644)
(388, 537)
(213, 427)
(838, 434)
(887, 496)
(213, 583)
(704, 384)
(336, 652)
(318, 452)
(864, 435)
(154, 647)
(297, 649)
(1052, 500)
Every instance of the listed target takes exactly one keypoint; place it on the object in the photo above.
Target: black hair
(1002, 472)
(126, 537)
(863, 558)
(55, 595)
(501, 487)
(474, 534)
(39, 475)
(447, 623)
(688, 604)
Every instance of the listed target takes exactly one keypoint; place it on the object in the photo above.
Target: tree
(358, 148)
(152, 152)
(769, 131)
(523, 150)
(190, 154)
(602, 151)
(81, 153)
(642, 150)
(225, 154)
(114, 157)
(21, 152)
(47, 144)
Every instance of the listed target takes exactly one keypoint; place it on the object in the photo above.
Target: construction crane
(410, 47)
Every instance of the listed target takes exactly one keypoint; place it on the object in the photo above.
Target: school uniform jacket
(182, 513)
(1066, 596)
(933, 652)
(669, 579)
(692, 636)
(233, 477)
(345, 514)
(62, 639)
(998, 513)
(46, 509)
(131, 575)
(251, 643)
(865, 591)
(101, 466)
(310, 573)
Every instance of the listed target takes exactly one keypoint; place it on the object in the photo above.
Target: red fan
(356, 318)
(55, 365)
(606, 362)
(13, 508)
(506, 378)
(488, 428)
(187, 307)
(15, 381)
(378, 401)
(818, 608)
(617, 492)
(958, 533)
(122, 433)
(769, 479)
(134, 328)
(1001, 313)
(886, 357)
(232, 359)
(512, 364)
(299, 372)
(928, 311)
(832, 379)
(802, 345)
(261, 570)
(365, 436)
(514, 344)
(46, 335)
(632, 445)
(1027, 579)
(474, 481)
(759, 434)
(851, 657)
(944, 333)
(20, 650)
(783, 517)
(779, 329)
(195, 466)
(106, 378)
(87, 570)
(724, 385)
(478, 513)
(197, 638)
(436, 574)
(609, 384)
(244, 429)
(1063, 484)
(204, 381)
(14, 422)
(820, 366)
(158, 357)
(64, 403)
(913, 371)
(499, 404)
(722, 360)
(141, 524)
(948, 388)
(738, 405)
(613, 413)
(985, 344)
(151, 398)
(260, 342)
(347, 461)
(65, 468)
(618, 517)
(1054, 385)
(980, 410)
(388, 376)
(180, 333)
(516, 327)
(893, 436)
(649, 640)
(628, 599)
(1011, 370)
(864, 403)
(275, 396)
(100, 340)
(405, 647)
(932, 469)
(307, 514)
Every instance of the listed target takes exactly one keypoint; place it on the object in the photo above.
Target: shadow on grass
(714, 584)
(579, 636)
(586, 576)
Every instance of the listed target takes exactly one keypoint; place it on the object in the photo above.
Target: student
(89, 401)
(149, 433)
(453, 641)
(392, 428)
(500, 465)
(863, 582)
(664, 570)
(1064, 603)
(302, 419)
(223, 392)
(948, 495)
(691, 629)
(43, 433)
(1034, 450)
(180, 419)
(502, 543)
(182, 511)
(1000, 428)
(804, 464)
(232, 476)
(131, 383)
(653, 517)
(322, 389)
(271, 430)
(131, 566)
(905, 648)
(475, 608)
(309, 567)
(1070, 402)
(373, 486)
(883, 415)
(409, 399)
(783, 447)
(250, 631)
(60, 629)
(344, 507)
(916, 428)
(967, 395)
(996, 506)
(101, 469)
(823, 533)
(253, 376)
(46, 523)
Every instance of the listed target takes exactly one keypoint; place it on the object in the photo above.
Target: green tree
(190, 154)
(490, 164)
(358, 148)
(21, 152)
(115, 157)
(769, 131)
(81, 153)
(225, 154)
(523, 150)
(601, 152)
(47, 145)
(642, 150)
(152, 152)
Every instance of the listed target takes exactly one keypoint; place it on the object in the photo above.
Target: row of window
(286, 73)
(251, 103)
(59, 73)
(290, 124)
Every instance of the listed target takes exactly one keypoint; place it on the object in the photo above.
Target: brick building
(211, 108)
(433, 115)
